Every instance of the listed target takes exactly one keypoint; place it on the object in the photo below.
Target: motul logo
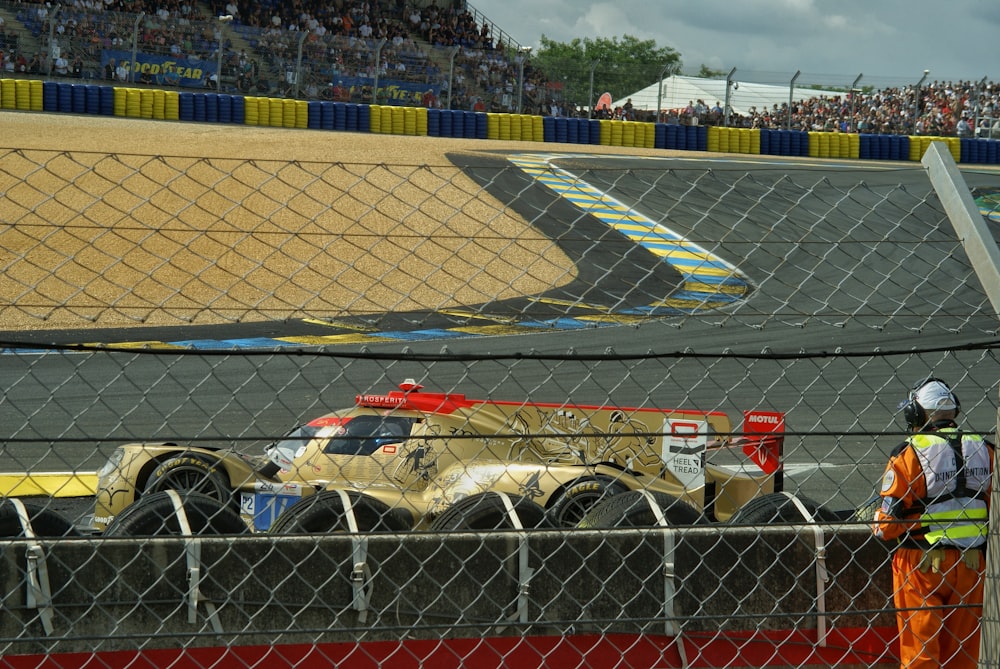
(756, 418)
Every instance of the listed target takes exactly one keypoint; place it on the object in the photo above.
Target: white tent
(677, 91)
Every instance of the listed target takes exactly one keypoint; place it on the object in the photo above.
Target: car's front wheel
(193, 473)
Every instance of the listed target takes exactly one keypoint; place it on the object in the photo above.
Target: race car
(410, 459)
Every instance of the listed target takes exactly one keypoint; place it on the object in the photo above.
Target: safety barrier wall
(328, 593)
(49, 96)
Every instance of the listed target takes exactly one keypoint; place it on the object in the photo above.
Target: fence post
(989, 642)
(965, 217)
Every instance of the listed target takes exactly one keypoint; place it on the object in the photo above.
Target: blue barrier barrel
(572, 131)
(225, 108)
(784, 143)
(185, 106)
(457, 123)
(769, 142)
(549, 125)
(93, 103)
(894, 148)
(351, 115)
(79, 99)
(364, 118)
(883, 147)
(559, 131)
(702, 137)
(65, 95)
(201, 106)
(795, 143)
(434, 122)
(239, 109)
(471, 130)
(482, 125)
(904, 147)
(50, 96)
(864, 146)
(446, 123)
(966, 149)
(594, 130)
(314, 115)
(991, 151)
(339, 116)
(659, 136)
(690, 137)
(670, 139)
(212, 107)
(107, 100)
(326, 115)
(680, 138)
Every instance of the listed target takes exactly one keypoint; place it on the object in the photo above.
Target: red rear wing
(765, 450)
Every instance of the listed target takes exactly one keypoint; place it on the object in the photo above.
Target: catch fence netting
(510, 400)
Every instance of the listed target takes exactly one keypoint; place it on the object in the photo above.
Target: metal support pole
(298, 64)
(378, 64)
(135, 47)
(729, 96)
(222, 45)
(791, 92)
(523, 53)
(917, 105)
(590, 98)
(854, 94)
(659, 92)
(451, 72)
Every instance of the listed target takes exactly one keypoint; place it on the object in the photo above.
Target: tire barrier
(208, 107)
(41, 521)
(490, 511)
(338, 511)
(156, 515)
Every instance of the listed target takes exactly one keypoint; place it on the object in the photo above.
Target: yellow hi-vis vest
(957, 473)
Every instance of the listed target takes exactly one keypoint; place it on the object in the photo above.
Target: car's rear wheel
(634, 509)
(325, 512)
(781, 508)
(579, 498)
(155, 514)
(43, 522)
(487, 511)
(193, 473)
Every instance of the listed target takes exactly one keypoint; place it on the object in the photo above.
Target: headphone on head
(914, 414)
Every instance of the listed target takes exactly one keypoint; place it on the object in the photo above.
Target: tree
(620, 67)
(708, 73)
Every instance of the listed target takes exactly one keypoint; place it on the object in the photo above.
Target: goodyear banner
(163, 70)
(391, 91)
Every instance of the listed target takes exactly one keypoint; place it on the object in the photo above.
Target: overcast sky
(830, 41)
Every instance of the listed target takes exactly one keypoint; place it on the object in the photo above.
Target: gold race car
(410, 459)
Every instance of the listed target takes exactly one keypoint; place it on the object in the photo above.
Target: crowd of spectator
(940, 108)
(328, 41)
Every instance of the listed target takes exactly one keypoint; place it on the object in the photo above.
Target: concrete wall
(123, 594)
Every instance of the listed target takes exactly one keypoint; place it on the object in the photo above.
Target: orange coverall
(937, 591)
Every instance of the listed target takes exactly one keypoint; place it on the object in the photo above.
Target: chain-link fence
(478, 387)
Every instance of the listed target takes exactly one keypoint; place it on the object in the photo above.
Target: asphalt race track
(759, 215)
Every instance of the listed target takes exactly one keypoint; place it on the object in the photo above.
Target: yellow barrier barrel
(725, 137)
(7, 96)
(712, 143)
(276, 112)
(37, 95)
(503, 127)
(22, 94)
(755, 141)
(538, 128)
(409, 120)
(302, 114)
(171, 105)
(250, 115)
(264, 111)
(133, 102)
(398, 123)
(744, 139)
(289, 113)
(421, 113)
(146, 98)
(515, 127)
(385, 112)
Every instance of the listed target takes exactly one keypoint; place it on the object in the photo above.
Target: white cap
(936, 396)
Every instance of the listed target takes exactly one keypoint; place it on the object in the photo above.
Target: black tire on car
(577, 500)
(191, 472)
(632, 509)
(325, 513)
(780, 508)
(154, 514)
(487, 511)
(44, 522)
